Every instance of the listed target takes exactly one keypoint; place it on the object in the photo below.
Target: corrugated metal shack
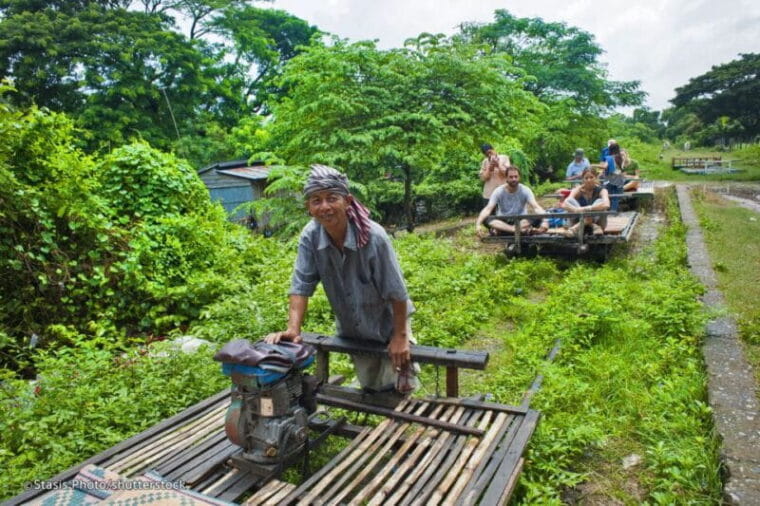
(234, 183)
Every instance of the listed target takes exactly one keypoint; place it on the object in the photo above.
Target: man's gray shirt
(510, 204)
(360, 282)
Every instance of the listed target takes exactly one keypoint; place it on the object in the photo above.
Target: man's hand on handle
(285, 335)
(399, 351)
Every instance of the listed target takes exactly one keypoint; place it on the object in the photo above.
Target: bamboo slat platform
(403, 463)
(619, 229)
(397, 462)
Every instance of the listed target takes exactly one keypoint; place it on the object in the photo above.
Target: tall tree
(563, 60)
(261, 41)
(379, 114)
(122, 74)
(11, 7)
(201, 12)
(731, 89)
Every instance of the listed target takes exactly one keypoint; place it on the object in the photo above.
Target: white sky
(662, 43)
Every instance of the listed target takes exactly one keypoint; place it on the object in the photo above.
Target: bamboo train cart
(424, 451)
(716, 167)
(619, 228)
(694, 162)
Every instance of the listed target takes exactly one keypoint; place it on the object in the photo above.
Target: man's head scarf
(324, 178)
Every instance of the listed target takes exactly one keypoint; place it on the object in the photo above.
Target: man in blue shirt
(606, 150)
(577, 166)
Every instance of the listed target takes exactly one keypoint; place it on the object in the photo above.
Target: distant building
(234, 183)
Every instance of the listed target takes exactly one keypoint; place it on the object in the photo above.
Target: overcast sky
(661, 43)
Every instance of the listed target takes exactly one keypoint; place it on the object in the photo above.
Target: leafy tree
(261, 41)
(394, 114)
(563, 129)
(721, 131)
(731, 89)
(201, 11)
(11, 7)
(562, 60)
(652, 119)
(156, 6)
(122, 75)
(682, 124)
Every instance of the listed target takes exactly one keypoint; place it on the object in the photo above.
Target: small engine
(271, 398)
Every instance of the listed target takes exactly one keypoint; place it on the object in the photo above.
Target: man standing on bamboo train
(353, 258)
(493, 170)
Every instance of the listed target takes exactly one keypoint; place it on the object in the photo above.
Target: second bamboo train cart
(431, 450)
(620, 226)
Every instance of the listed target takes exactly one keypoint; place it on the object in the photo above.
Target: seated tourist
(510, 199)
(588, 196)
(575, 168)
(630, 170)
(607, 164)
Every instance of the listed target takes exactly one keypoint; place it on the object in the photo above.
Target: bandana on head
(324, 178)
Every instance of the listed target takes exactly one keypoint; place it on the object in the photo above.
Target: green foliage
(562, 131)
(55, 240)
(89, 397)
(264, 40)
(729, 90)
(140, 183)
(560, 60)
(125, 244)
(393, 114)
(125, 75)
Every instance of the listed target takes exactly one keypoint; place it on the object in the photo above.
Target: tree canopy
(395, 114)
(730, 90)
(563, 61)
(129, 74)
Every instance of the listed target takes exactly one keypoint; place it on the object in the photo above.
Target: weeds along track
(628, 382)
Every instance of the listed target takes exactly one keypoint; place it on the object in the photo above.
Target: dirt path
(745, 194)
(731, 383)
(749, 204)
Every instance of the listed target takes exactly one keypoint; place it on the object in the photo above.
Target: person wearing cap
(493, 170)
(576, 167)
(354, 260)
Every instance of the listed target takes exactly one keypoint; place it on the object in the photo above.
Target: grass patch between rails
(629, 380)
(732, 234)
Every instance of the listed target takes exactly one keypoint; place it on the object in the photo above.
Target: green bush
(90, 396)
(628, 379)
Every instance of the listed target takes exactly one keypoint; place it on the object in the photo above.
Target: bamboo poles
(184, 436)
(364, 446)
